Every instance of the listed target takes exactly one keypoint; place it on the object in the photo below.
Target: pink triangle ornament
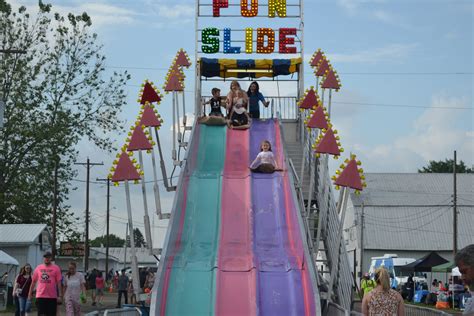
(139, 141)
(125, 170)
(328, 144)
(350, 177)
(318, 119)
(149, 117)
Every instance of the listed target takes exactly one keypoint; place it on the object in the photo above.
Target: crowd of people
(50, 288)
(381, 298)
(241, 106)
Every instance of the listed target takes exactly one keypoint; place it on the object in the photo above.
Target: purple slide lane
(294, 233)
(280, 289)
(236, 276)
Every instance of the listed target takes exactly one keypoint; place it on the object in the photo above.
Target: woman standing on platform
(255, 96)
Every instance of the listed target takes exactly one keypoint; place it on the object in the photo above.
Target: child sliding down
(265, 161)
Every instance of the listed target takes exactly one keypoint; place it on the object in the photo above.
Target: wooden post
(135, 276)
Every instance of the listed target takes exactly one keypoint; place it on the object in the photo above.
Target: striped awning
(244, 68)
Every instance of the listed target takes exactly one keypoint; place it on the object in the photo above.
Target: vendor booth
(8, 268)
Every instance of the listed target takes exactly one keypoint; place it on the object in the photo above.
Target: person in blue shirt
(254, 97)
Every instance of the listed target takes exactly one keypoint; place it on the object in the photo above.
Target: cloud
(391, 52)
(434, 135)
(383, 16)
(353, 6)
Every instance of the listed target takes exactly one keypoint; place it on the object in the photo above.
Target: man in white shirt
(465, 261)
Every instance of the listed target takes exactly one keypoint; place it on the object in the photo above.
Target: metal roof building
(25, 242)
(408, 214)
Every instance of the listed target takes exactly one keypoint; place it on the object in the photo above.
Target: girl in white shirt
(265, 161)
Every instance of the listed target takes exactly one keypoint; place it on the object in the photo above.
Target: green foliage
(139, 239)
(56, 95)
(445, 167)
(114, 241)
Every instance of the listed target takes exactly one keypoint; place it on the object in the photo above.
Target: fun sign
(265, 37)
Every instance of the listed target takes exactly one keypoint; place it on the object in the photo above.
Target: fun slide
(234, 245)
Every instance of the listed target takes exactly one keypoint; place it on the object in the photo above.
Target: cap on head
(47, 254)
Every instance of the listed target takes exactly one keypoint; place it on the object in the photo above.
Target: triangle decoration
(139, 140)
(350, 176)
(124, 169)
(149, 93)
(318, 119)
(316, 58)
(309, 100)
(328, 144)
(322, 68)
(173, 84)
(182, 59)
(149, 117)
(331, 81)
(176, 71)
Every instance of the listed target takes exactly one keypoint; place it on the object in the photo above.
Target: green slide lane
(192, 277)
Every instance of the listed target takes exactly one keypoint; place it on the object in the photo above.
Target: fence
(285, 106)
(411, 310)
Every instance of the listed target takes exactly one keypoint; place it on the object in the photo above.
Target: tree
(56, 95)
(139, 239)
(445, 167)
(114, 241)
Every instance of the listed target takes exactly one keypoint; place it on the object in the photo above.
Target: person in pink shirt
(47, 280)
(99, 287)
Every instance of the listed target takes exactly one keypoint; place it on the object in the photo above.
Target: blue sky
(406, 69)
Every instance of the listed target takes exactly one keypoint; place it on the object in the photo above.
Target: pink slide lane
(236, 277)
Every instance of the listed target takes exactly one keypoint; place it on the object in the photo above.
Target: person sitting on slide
(265, 161)
(237, 101)
(216, 103)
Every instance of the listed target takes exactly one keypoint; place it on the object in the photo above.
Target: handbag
(19, 290)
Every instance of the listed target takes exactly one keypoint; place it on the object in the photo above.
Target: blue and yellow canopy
(243, 68)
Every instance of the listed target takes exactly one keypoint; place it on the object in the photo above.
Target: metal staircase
(321, 217)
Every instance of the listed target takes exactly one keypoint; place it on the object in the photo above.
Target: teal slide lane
(192, 282)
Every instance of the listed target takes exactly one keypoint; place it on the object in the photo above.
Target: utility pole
(362, 220)
(455, 212)
(108, 225)
(88, 165)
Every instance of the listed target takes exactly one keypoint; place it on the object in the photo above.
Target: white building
(408, 214)
(25, 242)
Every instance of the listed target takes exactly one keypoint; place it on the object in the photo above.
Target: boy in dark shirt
(216, 113)
(215, 102)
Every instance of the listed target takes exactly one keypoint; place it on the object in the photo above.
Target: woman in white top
(74, 286)
(265, 161)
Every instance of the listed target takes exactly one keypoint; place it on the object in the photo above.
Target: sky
(406, 68)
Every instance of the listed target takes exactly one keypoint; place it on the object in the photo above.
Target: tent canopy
(425, 264)
(445, 267)
(244, 68)
(7, 259)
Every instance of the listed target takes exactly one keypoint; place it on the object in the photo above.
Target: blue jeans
(25, 307)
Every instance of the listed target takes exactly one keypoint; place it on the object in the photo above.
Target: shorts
(216, 114)
(254, 114)
(46, 306)
(264, 168)
(99, 291)
(239, 119)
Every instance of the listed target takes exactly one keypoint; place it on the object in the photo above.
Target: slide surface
(234, 245)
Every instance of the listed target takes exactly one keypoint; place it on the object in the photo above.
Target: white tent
(7, 259)
(455, 271)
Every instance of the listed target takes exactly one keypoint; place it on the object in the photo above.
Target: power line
(457, 73)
